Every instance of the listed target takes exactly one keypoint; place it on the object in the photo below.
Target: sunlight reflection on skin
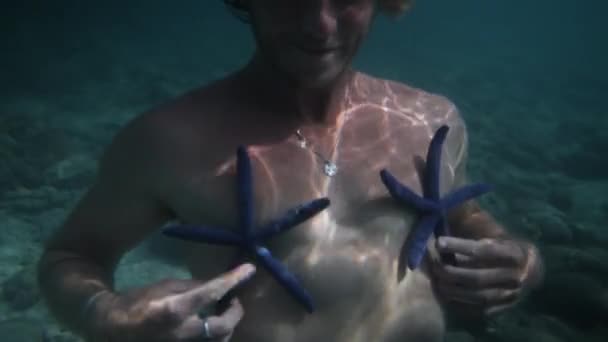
(379, 122)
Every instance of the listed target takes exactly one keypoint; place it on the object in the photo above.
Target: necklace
(330, 168)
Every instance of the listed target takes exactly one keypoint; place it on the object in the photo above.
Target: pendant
(330, 169)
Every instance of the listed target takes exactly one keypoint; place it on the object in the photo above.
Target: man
(313, 128)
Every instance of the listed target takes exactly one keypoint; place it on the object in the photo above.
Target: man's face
(310, 41)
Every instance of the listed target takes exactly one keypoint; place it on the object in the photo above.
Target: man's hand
(490, 275)
(171, 310)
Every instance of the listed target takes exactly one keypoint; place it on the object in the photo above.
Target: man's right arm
(120, 209)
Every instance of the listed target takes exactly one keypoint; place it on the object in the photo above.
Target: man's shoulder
(432, 107)
(177, 120)
(155, 137)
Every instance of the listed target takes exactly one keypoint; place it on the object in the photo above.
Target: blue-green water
(530, 77)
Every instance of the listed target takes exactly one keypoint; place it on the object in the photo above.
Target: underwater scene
(529, 78)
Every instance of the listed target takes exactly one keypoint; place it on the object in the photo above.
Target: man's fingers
(496, 309)
(450, 244)
(218, 327)
(215, 289)
(466, 261)
(477, 277)
(461, 261)
(212, 291)
(487, 298)
(505, 252)
(225, 324)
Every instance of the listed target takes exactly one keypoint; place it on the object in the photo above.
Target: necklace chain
(330, 168)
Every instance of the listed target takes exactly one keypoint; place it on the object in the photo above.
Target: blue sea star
(431, 208)
(249, 238)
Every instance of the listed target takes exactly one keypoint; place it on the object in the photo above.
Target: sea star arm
(292, 218)
(431, 207)
(245, 191)
(431, 177)
(247, 239)
(417, 245)
(464, 194)
(404, 195)
(285, 278)
(211, 235)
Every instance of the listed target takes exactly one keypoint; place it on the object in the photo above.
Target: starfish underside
(249, 239)
(430, 207)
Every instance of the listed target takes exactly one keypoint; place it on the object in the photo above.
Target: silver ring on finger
(206, 331)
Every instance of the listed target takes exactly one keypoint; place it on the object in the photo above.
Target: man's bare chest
(346, 254)
(361, 220)
(288, 174)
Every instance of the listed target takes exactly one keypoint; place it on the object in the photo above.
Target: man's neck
(313, 105)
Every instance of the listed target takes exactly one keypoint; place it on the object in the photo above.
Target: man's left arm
(493, 269)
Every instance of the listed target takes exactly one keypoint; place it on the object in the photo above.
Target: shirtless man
(176, 162)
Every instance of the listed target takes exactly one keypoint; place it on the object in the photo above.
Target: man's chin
(317, 79)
